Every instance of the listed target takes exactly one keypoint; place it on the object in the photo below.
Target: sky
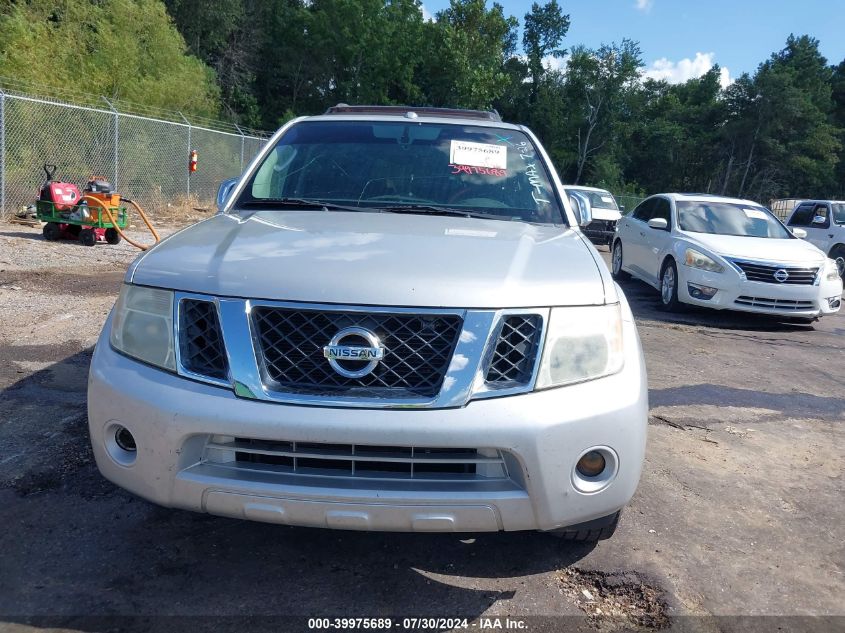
(681, 39)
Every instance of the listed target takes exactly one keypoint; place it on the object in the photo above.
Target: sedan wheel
(669, 287)
(616, 263)
(838, 255)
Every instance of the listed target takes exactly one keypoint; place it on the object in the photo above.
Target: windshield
(728, 218)
(599, 199)
(838, 212)
(393, 165)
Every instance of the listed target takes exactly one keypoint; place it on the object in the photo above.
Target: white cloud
(555, 63)
(644, 5)
(427, 16)
(685, 69)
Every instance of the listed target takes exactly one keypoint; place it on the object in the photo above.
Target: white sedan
(724, 253)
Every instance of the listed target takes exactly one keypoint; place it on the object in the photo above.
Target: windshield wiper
(300, 203)
(431, 209)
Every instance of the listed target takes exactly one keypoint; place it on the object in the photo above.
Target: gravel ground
(60, 283)
(739, 513)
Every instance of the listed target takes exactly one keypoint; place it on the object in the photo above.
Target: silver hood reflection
(378, 259)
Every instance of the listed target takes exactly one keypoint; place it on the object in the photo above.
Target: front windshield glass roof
(379, 165)
(729, 218)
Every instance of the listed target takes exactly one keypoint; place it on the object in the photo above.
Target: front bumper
(735, 293)
(173, 420)
(600, 231)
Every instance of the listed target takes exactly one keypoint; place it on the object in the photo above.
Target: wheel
(616, 263)
(838, 254)
(51, 231)
(87, 237)
(112, 236)
(595, 530)
(669, 287)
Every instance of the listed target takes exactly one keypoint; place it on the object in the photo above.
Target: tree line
(777, 132)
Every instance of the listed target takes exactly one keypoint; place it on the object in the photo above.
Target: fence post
(2, 153)
(187, 154)
(241, 132)
(116, 140)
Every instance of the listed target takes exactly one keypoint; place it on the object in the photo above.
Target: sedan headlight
(831, 270)
(582, 343)
(142, 326)
(695, 259)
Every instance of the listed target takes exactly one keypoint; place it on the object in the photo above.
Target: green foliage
(777, 132)
(545, 28)
(125, 49)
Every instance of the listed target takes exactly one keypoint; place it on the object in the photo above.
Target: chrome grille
(774, 304)
(357, 461)
(766, 273)
(418, 348)
(516, 350)
(201, 349)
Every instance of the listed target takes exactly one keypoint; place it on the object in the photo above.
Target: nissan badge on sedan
(393, 323)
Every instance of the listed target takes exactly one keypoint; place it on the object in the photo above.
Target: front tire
(51, 231)
(838, 254)
(669, 287)
(112, 236)
(616, 263)
(591, 531)
(87, 237)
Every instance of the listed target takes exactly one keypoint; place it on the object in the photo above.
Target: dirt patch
(68, 463)
(64, 282)
(611, 599)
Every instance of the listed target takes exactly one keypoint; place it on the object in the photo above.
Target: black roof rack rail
(342, 108)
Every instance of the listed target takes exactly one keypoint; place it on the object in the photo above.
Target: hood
(376, 259)
(771, 250)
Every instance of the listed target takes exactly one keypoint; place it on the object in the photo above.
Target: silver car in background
(393, 324)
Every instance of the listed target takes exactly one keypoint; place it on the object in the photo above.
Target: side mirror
(799, 233)
(224, 191)
(819, 219)
(659, 223)
(582, 208)
(621, 208)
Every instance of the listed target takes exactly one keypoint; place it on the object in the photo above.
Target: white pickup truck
(605, 213)
(824, 222)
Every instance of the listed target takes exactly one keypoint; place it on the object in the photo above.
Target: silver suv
(824, 223)
(394, 323)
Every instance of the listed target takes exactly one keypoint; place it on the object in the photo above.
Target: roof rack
(342, 108)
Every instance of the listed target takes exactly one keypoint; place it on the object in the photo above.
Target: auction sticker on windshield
(478, 154)
(755, 214)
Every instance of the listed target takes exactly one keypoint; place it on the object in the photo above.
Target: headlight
(831, 270)
(142, 326)
(699, 260)
(582, 343)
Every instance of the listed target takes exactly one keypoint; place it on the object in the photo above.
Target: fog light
(124, 439)
(705, 293)
(834, 302)
(591, 464)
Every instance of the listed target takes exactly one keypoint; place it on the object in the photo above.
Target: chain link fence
(144, 158)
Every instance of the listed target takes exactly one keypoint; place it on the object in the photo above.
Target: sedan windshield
(729, 218)
(405, 167)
